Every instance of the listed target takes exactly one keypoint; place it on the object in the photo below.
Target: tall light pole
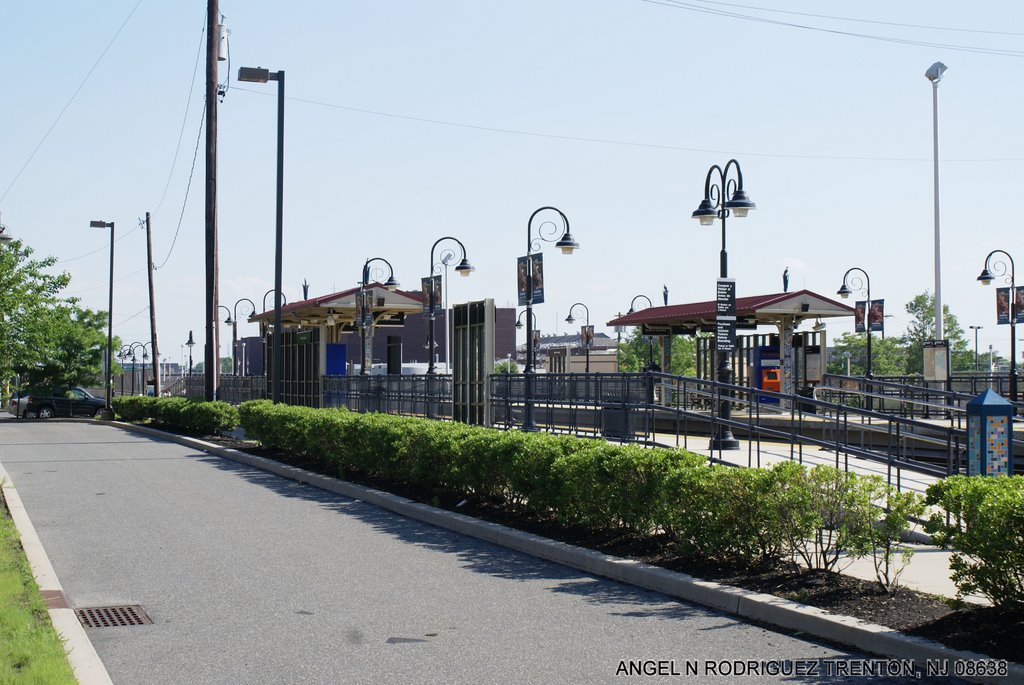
(464, 268)
(108, 411)
(546, 231)
(519, 327)
(586, 343)
(260, 75)
(5, 234)
(998, 269)
(364, 309)
(723, 196)
(976, 329)
(934, 74)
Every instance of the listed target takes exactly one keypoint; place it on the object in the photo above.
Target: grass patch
(30, 649)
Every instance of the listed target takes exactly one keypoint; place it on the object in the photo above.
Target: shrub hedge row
(188, 414)
(745, 516)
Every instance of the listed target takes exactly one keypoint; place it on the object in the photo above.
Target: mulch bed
(986, 630)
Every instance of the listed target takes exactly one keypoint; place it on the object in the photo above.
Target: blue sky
(413, 120)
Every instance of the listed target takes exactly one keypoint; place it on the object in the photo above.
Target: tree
(888, 355)
(635, 353)
(74, 350)
(28, 296)
(507, 366)
(922, 328)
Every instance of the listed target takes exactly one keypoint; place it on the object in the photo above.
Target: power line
(136, 314)
(104, 285)
(188, 187)
(612, 141)
(861, 21)
(98, 249)
(675, 4)
(68, 103)
(184, 118)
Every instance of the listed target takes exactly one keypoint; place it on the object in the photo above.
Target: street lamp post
(723, 196)
(364, 309)
(998, 269)
(260, 75)
(464, 268)
(546, 231)
(861, 285)
(934, 74)
(190, 344)
(976, 363)
(519, 326)
(108, 411)
(5, 235)
(650, 338)
(234, 332)
(586, 343)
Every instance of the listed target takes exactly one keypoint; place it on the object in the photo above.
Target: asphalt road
(250, 578)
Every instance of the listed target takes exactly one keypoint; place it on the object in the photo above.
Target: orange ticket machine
(767, 372)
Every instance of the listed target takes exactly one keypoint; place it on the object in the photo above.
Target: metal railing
(426, 396)
(890, 395)
(660, 409)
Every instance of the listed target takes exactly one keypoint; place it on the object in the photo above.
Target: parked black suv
(44, 404)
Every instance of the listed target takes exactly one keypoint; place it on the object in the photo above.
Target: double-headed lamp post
(364, 309)
(976, 329)
(546, 231)
(234, 331)
(859, 285)
(260, 75)
(998, 269)
(108, 411)
(650, 338)
(464, 268)
(586, 344)
(723, 196)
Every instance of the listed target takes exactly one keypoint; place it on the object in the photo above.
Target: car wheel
(45, 412)
(98, 413)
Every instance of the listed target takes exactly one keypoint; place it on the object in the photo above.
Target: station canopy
(751, 312)
(339, 309)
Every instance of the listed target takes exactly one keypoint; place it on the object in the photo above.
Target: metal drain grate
(108, 617)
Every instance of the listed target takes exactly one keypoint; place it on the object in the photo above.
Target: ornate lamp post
(650, 338)
(464, 268)
(135, 359)
(859, 285)
(364, 309)
(723, 196)
(519, 327)
(546, 231)
(586, 343)
(998, 269)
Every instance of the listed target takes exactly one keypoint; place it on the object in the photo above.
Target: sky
(409, 120)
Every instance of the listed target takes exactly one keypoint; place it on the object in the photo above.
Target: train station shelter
(798, 356)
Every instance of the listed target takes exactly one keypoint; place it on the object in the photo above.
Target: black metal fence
(427, 396)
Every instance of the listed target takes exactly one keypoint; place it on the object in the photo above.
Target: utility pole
(211, 363)
(152, 308)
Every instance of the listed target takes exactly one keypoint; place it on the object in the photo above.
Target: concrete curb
(767, 609)
(85, 662)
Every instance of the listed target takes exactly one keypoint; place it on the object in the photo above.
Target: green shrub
(986, 530)
(187, 414)
(133, 407)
